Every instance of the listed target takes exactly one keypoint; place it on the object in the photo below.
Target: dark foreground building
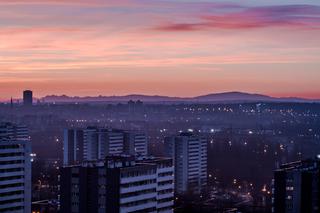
(297, 188)
(118, 184)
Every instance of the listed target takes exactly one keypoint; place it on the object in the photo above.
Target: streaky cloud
(302, 16)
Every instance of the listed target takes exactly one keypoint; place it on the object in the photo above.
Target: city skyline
(174, 48)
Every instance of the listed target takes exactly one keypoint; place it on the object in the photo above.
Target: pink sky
(177, 48)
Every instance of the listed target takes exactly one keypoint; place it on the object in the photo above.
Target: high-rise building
(135, 143)
(94, 143)
(73, 146)
(110, 142)
(189, 154)
(12, 132)
(118, 184)
(296, 187)
(27, 98)
(90, 143)
(101, 142)
(15, 169)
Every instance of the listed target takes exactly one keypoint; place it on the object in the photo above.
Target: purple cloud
(304, 16)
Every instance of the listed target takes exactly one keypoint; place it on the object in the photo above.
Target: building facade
(15, 169)
(296, 187)
(73, 146)
(165, 183)
(189, 154)
(135, 143)
(118, 184)
(94, 143)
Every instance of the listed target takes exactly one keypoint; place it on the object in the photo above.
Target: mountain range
(210, 98)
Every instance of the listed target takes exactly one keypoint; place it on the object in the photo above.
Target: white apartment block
(189, 154)
(95, 143)
(15, 169)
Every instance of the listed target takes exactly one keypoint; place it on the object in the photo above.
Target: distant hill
(233, 96)
(210, 98)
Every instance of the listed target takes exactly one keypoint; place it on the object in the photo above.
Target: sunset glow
(174, 47)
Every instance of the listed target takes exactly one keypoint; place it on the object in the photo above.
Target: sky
(173, 47)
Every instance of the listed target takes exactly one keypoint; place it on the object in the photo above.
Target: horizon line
(4, 100)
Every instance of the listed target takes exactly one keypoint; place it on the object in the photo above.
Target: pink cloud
(87, 41)
(302, 16)
(67, 2)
